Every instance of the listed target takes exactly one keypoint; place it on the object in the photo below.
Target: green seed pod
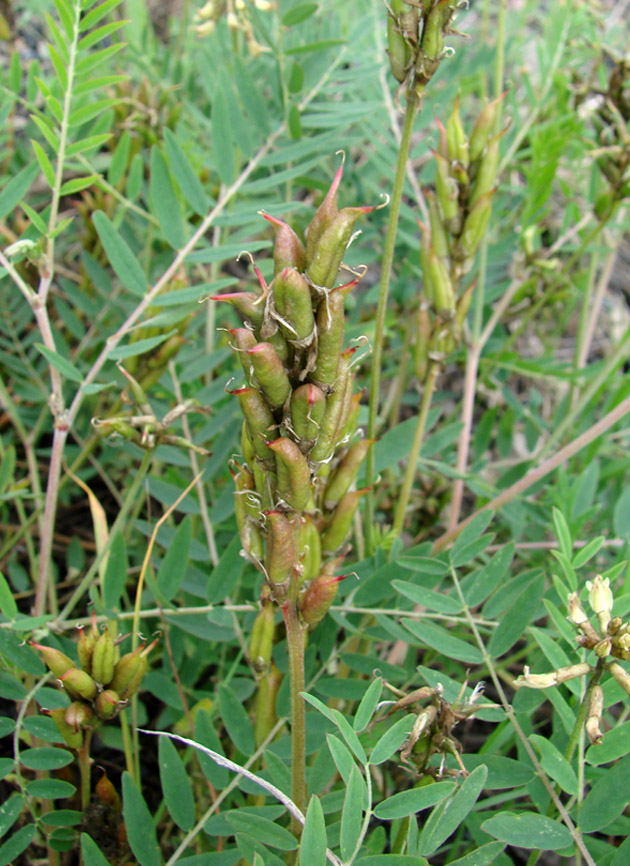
(353, 416)
(447, 193)
(265, 713)
(246, 483)
(103, 658)
(425, 249)
(246, 528)
(259, 419)
(400, 27)
(458, 149)
(463, 305)
(126, 669)
(316, 601)
(288, 250)
(346, 472)
(261, 639)
(246, 445)
(78, 684)
(279, 343)
(280, 547)
(488, 167)
(483, 128)
(107, 704)
(247, 303)
(324, 215)
(433, 39)
(266, 484)
(341, 522)
(134, 683)
(442, 148)
(310, 548)
(270, 373)
(307, 410)
(294, 477)
(330, 328)
(423, 340)
(72, 738)
(85, 646)
(79, 715)
(244, 339)
(439, 237)
(443, 293)
(475, 226)
(56, 661)
(338, 407)
(332, 245)
(292, 299)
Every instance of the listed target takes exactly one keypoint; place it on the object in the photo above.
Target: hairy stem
(413, 104)
(414, 453)
(295, 642)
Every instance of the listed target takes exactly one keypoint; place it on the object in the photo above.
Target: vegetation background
(129, 128)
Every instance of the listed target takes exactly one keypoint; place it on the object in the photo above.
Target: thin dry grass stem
(473, 357)
(539, 472)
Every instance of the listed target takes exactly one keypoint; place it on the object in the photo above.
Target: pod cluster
(294, 498)
(415, 38)
(459, 209)
(99, 687)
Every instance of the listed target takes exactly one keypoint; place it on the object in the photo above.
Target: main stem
(414, 454)
(413, 103)
(295, 642)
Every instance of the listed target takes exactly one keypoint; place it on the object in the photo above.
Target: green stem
(414, 454)
(295, 642)
(84, 765)
(413, 104)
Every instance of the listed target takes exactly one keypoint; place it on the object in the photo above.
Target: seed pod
(246, 484)
(294, 477)
(447, 193)
(310, 549)
(259, 419)
(353, 416)
(483, 128)
(288, 250)
(72, 738)
(103, 658)
(425, 248)
(398, 47)
(316, 601)
(307, 410)
(78, 684)
(621, 675)
(57, 662)
(280, 547)
(433, 39)
(341, 521)
(270, 373)
(106, 793)
(458, 148)
(442, 148)
(332, 246)
(125, 670)
(85, 646)
(443, 294)
(324, 215)
(488, 167)
(346, 472)
(247, 303)
(246, 445)
(107, 704)
(330, 328)
(292, 299)
(475, 226)
(261, 639)
(244, 339)
(593, 720)
(438, 237)
(423, 340)
(265, 713)
(338, 407)
(78, 715)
